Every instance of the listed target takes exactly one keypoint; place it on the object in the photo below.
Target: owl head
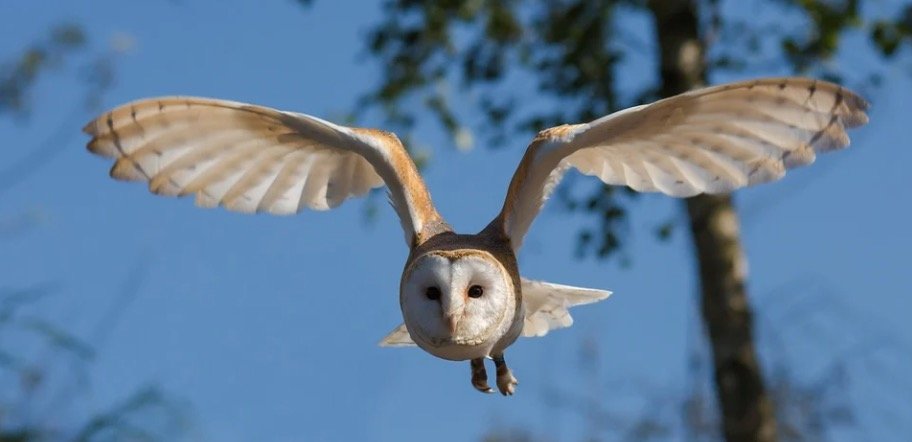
(457, 302)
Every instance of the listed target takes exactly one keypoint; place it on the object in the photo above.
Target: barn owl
(461, 295)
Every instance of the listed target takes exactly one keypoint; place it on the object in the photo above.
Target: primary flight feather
(461, 295)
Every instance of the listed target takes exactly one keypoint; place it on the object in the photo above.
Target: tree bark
(747, 411)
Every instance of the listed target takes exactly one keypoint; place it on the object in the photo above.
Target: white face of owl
(456, 298)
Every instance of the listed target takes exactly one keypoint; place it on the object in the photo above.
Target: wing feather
(284, 191)
(250, 158)
(547, 305)
(710, 140)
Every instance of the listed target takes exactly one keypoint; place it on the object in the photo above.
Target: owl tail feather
(399, 337)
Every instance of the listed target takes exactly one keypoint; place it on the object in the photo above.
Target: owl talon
(480, 376)
(506, 382)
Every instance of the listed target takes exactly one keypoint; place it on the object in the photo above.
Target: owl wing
(711, 140)
(547, 305)
(546, 308)
(250, 158)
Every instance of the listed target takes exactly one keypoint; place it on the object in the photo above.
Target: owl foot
(506, 383)
(480, 376)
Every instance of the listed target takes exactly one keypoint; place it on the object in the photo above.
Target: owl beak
(452, 323)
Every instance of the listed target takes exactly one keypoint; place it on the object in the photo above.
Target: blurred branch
(129, 290)
(41, 155)
(63, 358)
(304, 3)
(18, 77)
(59, 339)
(121, 422)
(812, 401)
(13, 299)
(118, 423)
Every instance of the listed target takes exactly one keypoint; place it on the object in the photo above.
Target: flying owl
(462, 296)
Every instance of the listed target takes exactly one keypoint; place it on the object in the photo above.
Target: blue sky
(267, 326)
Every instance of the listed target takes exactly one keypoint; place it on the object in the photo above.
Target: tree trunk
(747, 412)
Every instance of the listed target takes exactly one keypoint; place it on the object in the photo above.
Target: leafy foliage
(527, 65)
(41, 362)
(814, 402)
(49, 380)
(19, 76)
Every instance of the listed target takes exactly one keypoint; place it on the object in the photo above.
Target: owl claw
(482, 386)
(480, 376)
(506, 382)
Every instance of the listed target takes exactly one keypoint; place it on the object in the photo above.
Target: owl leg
(480, 376)
(506, 383)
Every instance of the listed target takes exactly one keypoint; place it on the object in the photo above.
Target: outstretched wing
(546, 308)
(547, 305)
(251, 158)
(711, 140)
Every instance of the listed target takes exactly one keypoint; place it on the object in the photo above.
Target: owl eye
(432, 293)
(476, 291)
